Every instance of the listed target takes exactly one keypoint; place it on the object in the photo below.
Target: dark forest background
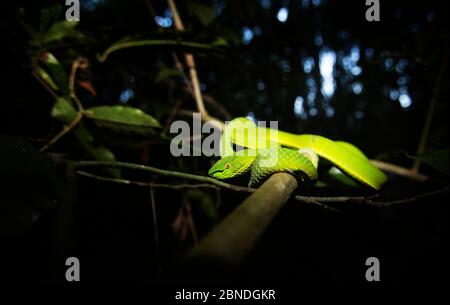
(315, 66)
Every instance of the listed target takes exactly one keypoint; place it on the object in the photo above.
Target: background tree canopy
(108, 87)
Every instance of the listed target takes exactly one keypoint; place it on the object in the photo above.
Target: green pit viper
(272, 151)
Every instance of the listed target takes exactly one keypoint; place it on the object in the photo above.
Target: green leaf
(63, 110)
(56, 72)
(46, 78)
(97, 152)
(336, 177)
(438, 159)
(204, 12)
(61, 30)
(49, 15)
(220, 42)
(123, 119)
(166, 73)
(189, 45)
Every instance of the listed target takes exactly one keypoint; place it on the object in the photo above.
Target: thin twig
(151, 9)
(155, 224)
(338, 198)
(173, 113)
(206, 180)
(431, 108)
(213, 183)
(80, 62)
(190, 63)
(157, 43)
(161, 172)
(146, 184)
(312, 200)
(187, 207)
(63, 132)
(407, 200)
(399, 170)
(306, 199)
(212, 101)
(45, 85)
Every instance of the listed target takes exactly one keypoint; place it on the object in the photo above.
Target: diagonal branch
(80, 62)
(213, 183)
(430, 113)
(63, 132)
(190, 63)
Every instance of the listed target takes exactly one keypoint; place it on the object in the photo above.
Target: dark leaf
(56, 72)
(61, 30)
(63, 110)
(438, 159)
(49, 15)
(204, 203)
(46, 78)
(29, 184)
(123, 119)
(166, 73)
(204, 12)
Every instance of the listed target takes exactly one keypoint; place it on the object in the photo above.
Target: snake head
(231, 166)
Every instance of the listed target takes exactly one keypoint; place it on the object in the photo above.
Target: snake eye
(227, 165)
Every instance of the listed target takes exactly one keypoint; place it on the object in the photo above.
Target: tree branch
(155, 223)
(406, 200)
(63, 132)
(208, 182)
(399, 170)
(430, 113)
(190, 63)
(157, 43)
(80, 62)
(145, 184)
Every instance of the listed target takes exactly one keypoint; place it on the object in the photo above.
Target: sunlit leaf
(63, 110)
(46, 78)
(62, 29)
(123, 119)
(56, 72)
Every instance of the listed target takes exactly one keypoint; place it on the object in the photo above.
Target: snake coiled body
(264, 162)
(297, 156)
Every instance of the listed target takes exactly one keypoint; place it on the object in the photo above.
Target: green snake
(269, 151)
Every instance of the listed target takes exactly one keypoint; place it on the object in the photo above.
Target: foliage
(118, 105)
